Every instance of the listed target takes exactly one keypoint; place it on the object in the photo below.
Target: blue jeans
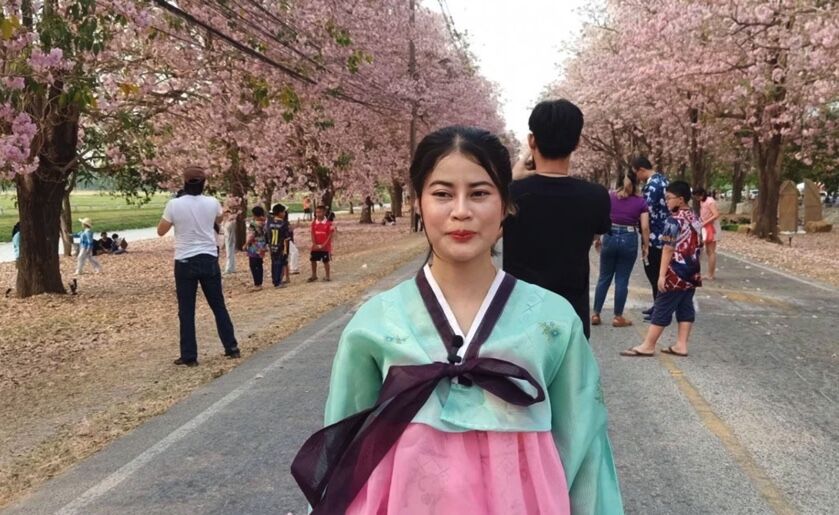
(617, 257)
(202, 269)
(277, 265)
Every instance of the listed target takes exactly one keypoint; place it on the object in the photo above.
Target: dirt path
(78, 371)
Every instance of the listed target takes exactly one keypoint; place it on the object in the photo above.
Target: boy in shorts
(678, 275)
(322, 230)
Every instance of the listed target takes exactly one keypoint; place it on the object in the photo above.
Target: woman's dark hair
(258, 211)
(701, 193)
(15, 229)
(628, 185)
(556, 125)
(194, 187)
(680, 189)
(480, 145)
(639, 162)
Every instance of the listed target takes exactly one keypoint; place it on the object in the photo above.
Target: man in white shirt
(196, 262)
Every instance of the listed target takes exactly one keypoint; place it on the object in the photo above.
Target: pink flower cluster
(43, 63)
(15, 143)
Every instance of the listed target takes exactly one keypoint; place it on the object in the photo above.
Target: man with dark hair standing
(547, 241)
(656, 184)
(278, 236)
(196, 262)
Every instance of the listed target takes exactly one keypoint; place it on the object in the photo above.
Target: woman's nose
(461, 208)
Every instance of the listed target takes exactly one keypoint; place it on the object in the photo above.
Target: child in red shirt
(322, 230)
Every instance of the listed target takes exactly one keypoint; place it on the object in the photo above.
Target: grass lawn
(108, 213)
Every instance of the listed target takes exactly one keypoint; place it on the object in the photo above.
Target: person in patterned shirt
(654, 188)
(679, 274)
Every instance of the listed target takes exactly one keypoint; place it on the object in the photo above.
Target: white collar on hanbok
(479, 317)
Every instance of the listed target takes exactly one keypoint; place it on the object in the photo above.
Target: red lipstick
(462, 236)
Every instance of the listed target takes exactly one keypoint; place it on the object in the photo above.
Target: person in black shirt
(547, 240)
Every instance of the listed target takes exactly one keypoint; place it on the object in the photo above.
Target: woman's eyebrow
(451, 185)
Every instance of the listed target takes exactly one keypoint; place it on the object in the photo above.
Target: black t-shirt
(547, 241)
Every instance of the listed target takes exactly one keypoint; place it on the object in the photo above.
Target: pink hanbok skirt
(472, 473)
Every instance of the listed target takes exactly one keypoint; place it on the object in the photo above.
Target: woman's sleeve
(356, 376)
(579, 430)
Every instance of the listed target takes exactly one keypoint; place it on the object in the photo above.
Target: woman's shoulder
(381, 303)
(541, 300)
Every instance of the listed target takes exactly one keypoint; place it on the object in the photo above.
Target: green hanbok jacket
(534, 329)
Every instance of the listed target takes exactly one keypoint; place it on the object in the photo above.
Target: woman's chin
(463, 255)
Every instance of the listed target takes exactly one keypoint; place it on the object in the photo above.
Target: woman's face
(461, 209)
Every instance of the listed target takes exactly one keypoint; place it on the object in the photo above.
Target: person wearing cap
(86, 244)
(278, 235)
(196, 262)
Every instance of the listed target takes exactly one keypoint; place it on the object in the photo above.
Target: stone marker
(818, 226)
(812, 202)
(788, 207)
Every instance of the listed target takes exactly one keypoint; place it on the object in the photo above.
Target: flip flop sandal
(669, 350)
(632, 353)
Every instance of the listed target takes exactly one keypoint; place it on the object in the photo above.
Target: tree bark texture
(768, 156)
(396, 191)
(41, 195)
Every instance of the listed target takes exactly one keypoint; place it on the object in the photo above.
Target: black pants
(277, 265)
(652, 269)
(202, 269)
(579, 300)
(256, 269)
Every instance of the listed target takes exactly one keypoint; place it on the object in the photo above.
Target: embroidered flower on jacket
(550, 329)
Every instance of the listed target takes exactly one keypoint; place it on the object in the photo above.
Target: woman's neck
(464, 281)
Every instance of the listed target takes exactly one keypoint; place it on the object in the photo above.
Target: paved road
(746, 424)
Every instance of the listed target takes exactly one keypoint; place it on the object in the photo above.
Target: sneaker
(281, 285)
(233, 353)
(648, 311)
(180, 361)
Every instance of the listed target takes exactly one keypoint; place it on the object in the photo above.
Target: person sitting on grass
(678, 277)
(389, 219)
(322, 231)
(119, 244)
(106, 244)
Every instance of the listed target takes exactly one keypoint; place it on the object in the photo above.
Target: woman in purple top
(619, 247)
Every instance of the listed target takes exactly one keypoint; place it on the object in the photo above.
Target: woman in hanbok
(462, 391)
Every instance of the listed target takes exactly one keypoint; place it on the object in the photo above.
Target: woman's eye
(441, 194)
(480, 193)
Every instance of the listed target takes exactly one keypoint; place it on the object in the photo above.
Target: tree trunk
(768, 156)
(66, 225)
(267, 197)
(327, 197)
(396, 198)
(236, 183)
(366, 215)
(738, 181)
(40, 196)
